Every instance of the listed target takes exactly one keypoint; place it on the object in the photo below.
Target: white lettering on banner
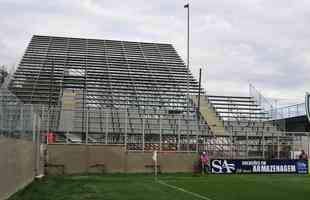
(248, 166)
(274, 168)
(222, 166)
(253, 162)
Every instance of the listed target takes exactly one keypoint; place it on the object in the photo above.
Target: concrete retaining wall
(17, 165)
(81, 158)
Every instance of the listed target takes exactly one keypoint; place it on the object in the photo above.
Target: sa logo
(222, 166)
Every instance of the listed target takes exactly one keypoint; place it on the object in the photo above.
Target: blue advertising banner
(230, 166)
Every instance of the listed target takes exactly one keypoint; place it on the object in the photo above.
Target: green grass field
(181, 187)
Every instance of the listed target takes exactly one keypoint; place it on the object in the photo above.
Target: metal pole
(33, 125)
(187, 6)
(143, 138)
(160, 133)
(278, 149)
(126, 118)
(247, 144)
(179, 134)
(197, 138)
(87, 125)
(21, 119)
(263, 142)
(35, 140)
(106, 127)
(231, 145)
(199, 89)
(187, 100)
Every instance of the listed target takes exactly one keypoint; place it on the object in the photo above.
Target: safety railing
(288, 111)
(261, 100)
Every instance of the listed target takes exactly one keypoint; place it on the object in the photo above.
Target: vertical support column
(179, 134)
(21, 118)
(106, 127)
(199, 88)
(126, 129)
(87, 125)
(231, 145)
(34, 137)
(300, 143)
(143, 138)
(35, 140)
(205, 147)
(272, 143)
(187, 137)
(38, 146)
(48, 123)
(213, 140)
(247, 145)
(263, 144)
(278, 149)
(160, 133)
(100, 119)
(10, 120)
(197, 138)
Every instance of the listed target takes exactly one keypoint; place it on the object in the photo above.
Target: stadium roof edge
(83, 38)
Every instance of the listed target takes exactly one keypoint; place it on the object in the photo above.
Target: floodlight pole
(187, 96)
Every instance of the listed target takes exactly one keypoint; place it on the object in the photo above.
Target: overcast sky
(265, 42)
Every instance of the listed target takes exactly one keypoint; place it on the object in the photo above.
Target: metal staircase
(238, 123)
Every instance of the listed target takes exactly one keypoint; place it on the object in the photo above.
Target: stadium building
(142, 96)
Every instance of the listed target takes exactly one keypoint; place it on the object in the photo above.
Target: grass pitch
(176, 186)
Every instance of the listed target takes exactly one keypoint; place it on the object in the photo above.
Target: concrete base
(81, 158)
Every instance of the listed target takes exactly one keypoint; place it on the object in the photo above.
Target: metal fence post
(160, 133)
(106, 127)
(278, 147)
(263, 144)
(21, 119)
(33, 123)
(231, 144)
(48, 122)
(197, 138)
(247, 145)
(126, 118)
(143, 138)
(10, 120)
(87, 126)
(179, 134)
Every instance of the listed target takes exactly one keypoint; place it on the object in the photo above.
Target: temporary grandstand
(140, 95)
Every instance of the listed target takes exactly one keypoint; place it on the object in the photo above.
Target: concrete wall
(81, 158)
(17, 165)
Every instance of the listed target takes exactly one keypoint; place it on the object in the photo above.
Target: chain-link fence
(17, 120)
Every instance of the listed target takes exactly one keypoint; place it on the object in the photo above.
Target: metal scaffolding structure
(87, 88)
(135, 94)
(109, 73)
